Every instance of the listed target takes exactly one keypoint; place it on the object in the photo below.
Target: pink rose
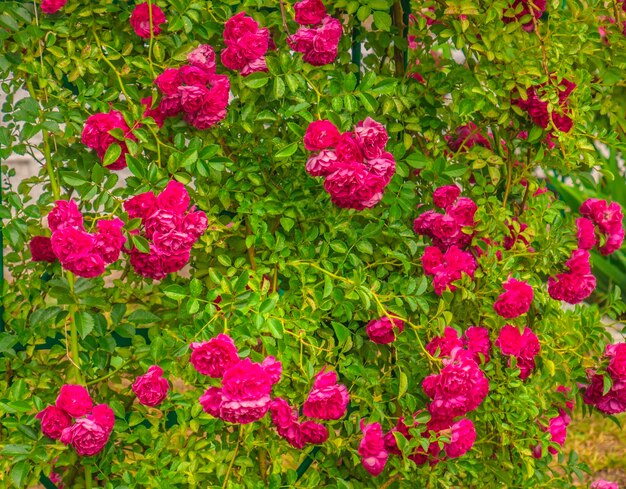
(147, 265)
(156, 114)
(53, 421)
(381, 330)
(321, 135)
(442, 346)
(109, 241)
(96, 135)
(86, 436)
(372, 448)
(558, 431)
(348, 149)
(203, 57)
(74, 400)
(523, 346)
(313, 433)
(273, 368)
(162, 221)
(169, 81)
(321, 164)
(383, 166)
(140, 20)
(613, 402)
(462, 437)
(140, 206)
(215, 356)
(476, 341)
(516, 299)
(432, 259)
(463, 211)
(103, 416)
(174, 198)
(151, 388)
(327, 399)
(237, 26)
(258, 64)
(602, 484)
(41, 249)
(193, 76)
(309, 12)
(170, 105)
(444, 197)
(351, 186)
(52, 6)
(87, 265)
(69, 242)
(195, 224)
(617, 364)
(211, 401)
(192, 97)
(246, 380)
(64, 214)
(372, 137)
(465, 137)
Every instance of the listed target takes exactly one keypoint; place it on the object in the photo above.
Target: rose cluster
(151, 388)
(537, 107)
(577, 284)
(613, 401)
(523, 346)
(80, 252)
(516, 299)
(355, 165)
(97, 135)
(140, 20)
(603, 220)
(169, 226)
(52, 6)
(475, 341)
(381, 330)
(317, 43)
(244, 396)
(74, 420)
(523, 8)
(195, 90)
(246, 45)
(327, 400)
(372, 448)
(448, 267)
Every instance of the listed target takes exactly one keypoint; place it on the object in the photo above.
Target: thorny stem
(230, 467)
(284, 16)
(106, 60)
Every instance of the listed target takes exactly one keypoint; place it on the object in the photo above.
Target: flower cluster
(523, 8)
(195, 90)
(447, 267)
(151, 388)
(52, 6)
(244, 396)
(170, 228)
(80, 252)
(475, 341)
(575, 285)
(603, 219)
(557, 426)
(140, 20)
(614, 400)
(372, 448)
(381, 330)
(74, 420)
(538, 108)
(246, 45)
(523, 346)
(298, 434)
(97, 135)
(355, 165)
(516, 299)
(319, 42)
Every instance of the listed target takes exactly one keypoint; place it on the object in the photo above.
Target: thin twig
(284, 16)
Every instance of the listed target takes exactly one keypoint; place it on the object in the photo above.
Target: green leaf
(341, 332)
(256, 80)
(287, 151)
(84, 323)
(113, 153)
(275, 327)
(382, 20)
(19, 473)
(175, 292)
(140, 243)
(141, 316)
(403, 383)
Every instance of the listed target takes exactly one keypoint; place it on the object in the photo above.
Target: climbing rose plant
(275, 243)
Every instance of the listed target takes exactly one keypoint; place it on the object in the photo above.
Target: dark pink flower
(383, 166)
(462, 437)
(156, 114)
(613, 402)
(442, 346)
(203, 57)
(516, 299)
(174, 198)
(96, 135)
(74, 400)
(109, 240)
(381, 330)
(169, 81)
(53, 421)
(348, 149)
(64, 214)
(71, 242)
(327, 399)
(321, 135)
(151, 388)
(444, 197)
(86, 436)
(211, 401)
(215, 356)
(52, 6)
(41, 249)
(103, 416)
(141, 206)
(465, 137)
(372, 448)
(321, 164)
(617, 364)
(140, 20)
(602, 484)
(319, 44)
(309, 12)
(432, 259)
(476, 341)
(351, 186)
(237, 26)
(523, 346)
(372, 137)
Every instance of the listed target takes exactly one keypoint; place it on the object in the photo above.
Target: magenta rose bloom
(169, 81)
(381, 330)
(516, 299)
(602, 484)
(351, 186)
(88, 265)
(465, 137)
(41, 249)
(372, 137)
(463, 211)
(161, 221)
(195, 224)
(321, 135)
(309, 12)
(321, 164)
(432, 259)
(151, 388)
(383, 166)
(314, 433)
(141, 206)
(103, 416)
(476, 341)
(613, 402)
(211, 401)
(147, 265)
(215, 356)
(444, 197)
(74, 400)
(86, 436)
(237, 26)
(53, 421)
(156, 114)
(327, 399)
(617, 365)
(96, 135)
(68, 242)
(203, 57)
(109, 241)
(462, 438)
(64, 214)
(442, 346)
(192, 97)
(174, 198)
(140, 20)
(558, 431)
(523, 346)
(52, 6)
(273, 368)
(372, 449)
(586, 233)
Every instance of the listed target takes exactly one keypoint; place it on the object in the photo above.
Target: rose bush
(344, 260)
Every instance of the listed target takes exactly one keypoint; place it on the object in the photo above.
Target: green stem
(54, 184)
(74, 332)
(88, 476)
